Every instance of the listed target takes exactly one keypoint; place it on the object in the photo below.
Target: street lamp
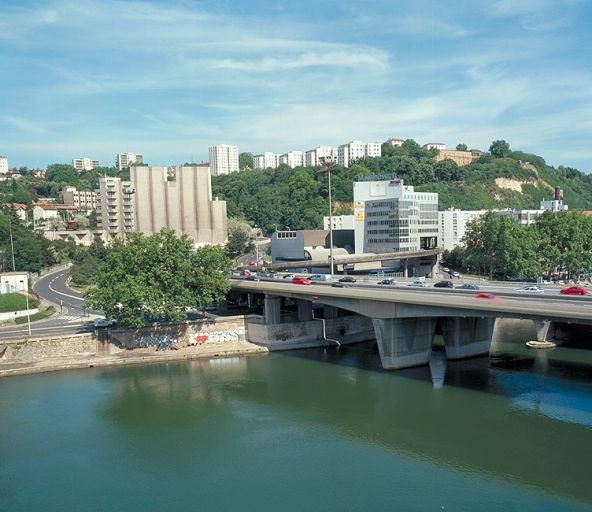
(27, 298)
(327, 162)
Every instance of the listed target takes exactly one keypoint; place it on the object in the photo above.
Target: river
(324, 430)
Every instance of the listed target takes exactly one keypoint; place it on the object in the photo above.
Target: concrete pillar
(330, 312)
(405, 267)
(404, 342)
(467, 337)
(222, 307)
(544, 329)
(272, 309)
(304, 310)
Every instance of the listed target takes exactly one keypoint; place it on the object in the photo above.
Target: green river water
(309, 430)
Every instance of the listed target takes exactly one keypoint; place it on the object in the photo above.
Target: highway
(552, 306)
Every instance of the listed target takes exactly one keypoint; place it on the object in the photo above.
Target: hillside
(297, 198)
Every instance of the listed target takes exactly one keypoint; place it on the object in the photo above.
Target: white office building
(440, 146)
(390, 216)
(339, 222)
(292, 159)
(3, 164)
(453, 225)
(84, 164)
(124, 160)
(223, 159)
(320, 155)
(267, 160)
(355, 150)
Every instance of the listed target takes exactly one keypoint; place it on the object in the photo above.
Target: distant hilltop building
(79, 198)
(223, 159)
(124, 160)
(461, 158)
(434, 145)
(267, 160)
(3, 164)
(320, 155)
(394, 141)
(292, 159)
(355, 150)
(85, 164)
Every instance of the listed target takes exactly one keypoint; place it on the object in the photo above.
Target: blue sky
(169, 79)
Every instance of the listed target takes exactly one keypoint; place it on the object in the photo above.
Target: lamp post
(27, 298)
(328, 162)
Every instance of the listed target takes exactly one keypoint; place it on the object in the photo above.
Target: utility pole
(11, 243)
(328, 163)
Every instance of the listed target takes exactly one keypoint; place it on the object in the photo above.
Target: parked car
(444, 284)
(387, 282)
(574, 290)
(487, 296)
(530, 289)
(467, 286)
(454, 273)
(301, 280)
(418, 284)
(347, 279)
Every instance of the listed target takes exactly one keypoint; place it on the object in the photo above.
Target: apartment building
(267, 160)
(3, 164)
(453, 226)
(85, 164)
(440, 146)
(223, 159)
(355, 150)
(320, 155)
(82, 199)
(292, 159)
(184, 205)
(390, 216)
(124, 160)
(115, 201)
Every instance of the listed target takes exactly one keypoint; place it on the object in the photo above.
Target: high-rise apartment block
(292, 159)
(390, 216)
(115, 201)
(85, 164)
(223, 159)
(82, 199)
(453, 226)
(355, 150)
(266, 160)
(3, 164)
(184, 205)
(320, 155)
(124, 160)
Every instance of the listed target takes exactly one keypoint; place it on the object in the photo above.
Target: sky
(168, 79)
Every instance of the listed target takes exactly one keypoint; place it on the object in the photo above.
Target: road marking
(64, 294)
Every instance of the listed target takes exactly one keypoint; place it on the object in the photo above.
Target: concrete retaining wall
(11, 315)
(37, 349)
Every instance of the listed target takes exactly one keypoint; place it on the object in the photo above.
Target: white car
(418, 284)
(530, 289)
(103, 322)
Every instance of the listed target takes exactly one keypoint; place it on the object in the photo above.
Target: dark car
(444, 284)
(338, 284)
(467, 286)
(387, 282)
(347, 279)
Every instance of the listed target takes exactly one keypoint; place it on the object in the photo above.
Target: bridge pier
(467, 337)
(330, 312)
(544, 329)
(304, 310)
(404, 342)
(272, 309)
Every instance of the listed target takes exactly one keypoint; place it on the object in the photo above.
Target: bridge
(403, 320)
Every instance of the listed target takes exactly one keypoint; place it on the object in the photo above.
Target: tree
(245, 161)
(157, 277)
(499, 149)
(448, 170)
(238, 237)
(462, 147)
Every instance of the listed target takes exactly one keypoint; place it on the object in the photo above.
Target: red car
(487, 295)
(301, 280)
(574, 290)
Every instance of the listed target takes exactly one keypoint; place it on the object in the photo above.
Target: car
(245, 273)
(444, 284)
(288, 276)
(574, 290)
(103, 322)
(418, 284)
(530, 289)
(347, 279)
(253, 277)
(453, 273)
(301, 280)
(487, 296)
(387, 282)
(338, 284)
(467, 286)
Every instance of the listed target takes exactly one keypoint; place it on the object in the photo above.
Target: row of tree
(497, 246)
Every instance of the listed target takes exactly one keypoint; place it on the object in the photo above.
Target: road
(71, 316)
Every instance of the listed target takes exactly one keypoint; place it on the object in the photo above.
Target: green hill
(297, 198)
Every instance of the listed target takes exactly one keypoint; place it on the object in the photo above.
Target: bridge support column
(467, 337)
(304, 310)
(330, 312)
(222, 307)
(544, 329)
(272, 309)
(405, 267)
(404, 342)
